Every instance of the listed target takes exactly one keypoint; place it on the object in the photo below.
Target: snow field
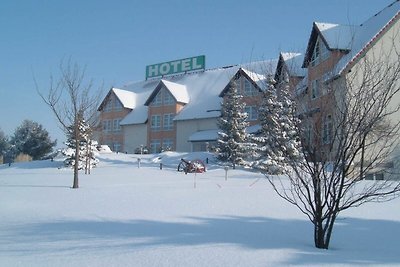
(123, 215)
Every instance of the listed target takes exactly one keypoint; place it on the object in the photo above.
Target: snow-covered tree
(32, 139)
(232, 143)
(87, 146)
(3, 143)
(278, 141)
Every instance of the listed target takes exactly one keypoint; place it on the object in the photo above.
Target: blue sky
(115, 40)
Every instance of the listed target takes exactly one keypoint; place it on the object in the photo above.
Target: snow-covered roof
(178, 91)
(127, 98)
(337, 36)
(355, 40)
(368, 32)
(293, 62)
(206, 135)
(199, 91)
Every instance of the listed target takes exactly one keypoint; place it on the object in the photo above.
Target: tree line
(30, 138)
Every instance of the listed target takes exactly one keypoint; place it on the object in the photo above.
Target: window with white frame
(168, 98)
(252, 113)
(155, 146)
(157, 101)
(168, 123)
(168, 144)
(116, 147)
(117, 105)
(327, 130)
(315, 89)
(116, 125)
(309, 134)
(249, 89)
(237, 83)
(108, 106)
(320, 53)
(104, 125)
(107, 125)
(155, 122)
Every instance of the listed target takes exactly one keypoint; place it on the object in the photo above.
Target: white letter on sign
(174, 65)
(152, 71)
(186, 64)
(196, 66)
(164, 68)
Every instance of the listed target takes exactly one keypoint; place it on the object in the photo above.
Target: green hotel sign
(176, 66)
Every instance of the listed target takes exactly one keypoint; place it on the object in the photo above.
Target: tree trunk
(76, 166)
(323, 232)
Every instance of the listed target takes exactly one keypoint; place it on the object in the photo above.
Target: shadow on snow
(355, 241)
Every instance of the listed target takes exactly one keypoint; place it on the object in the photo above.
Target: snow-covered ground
(123, 215)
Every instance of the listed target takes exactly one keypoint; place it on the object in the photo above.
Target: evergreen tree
(80, 135)
(289, 141)
(4, 144)
(277, 140)
(232, 143)
(32, 139)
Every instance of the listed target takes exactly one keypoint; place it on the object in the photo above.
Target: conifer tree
(278, 141)
(86, 159)
(232, 143)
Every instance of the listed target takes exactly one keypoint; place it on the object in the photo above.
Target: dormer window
(163, 98)
(168, 98)
(320, 53)
(249, 89)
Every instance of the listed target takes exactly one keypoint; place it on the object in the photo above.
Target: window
(157, 101)
(155, 122)
(116, 147)
(249, 89)
(252, 113)
(237, 83)
(168, 144)
(168, 123)
(315, 89)
(117, 105)
(107, 125)
(116, 126)
(327, 130)
(168, 98)
(155, 146)
(320, 53)
(108, 106)
(309, 135)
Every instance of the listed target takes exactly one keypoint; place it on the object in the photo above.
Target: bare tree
(350, 138)
(71, 99)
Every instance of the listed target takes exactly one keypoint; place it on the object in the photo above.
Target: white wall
(134, 136)
(186, 128)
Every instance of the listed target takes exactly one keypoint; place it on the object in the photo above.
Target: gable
(255, 79)
(165, 89)
(121, 98)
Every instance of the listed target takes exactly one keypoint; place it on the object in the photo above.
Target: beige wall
(184, 129)
(381, 55)
(134, 136)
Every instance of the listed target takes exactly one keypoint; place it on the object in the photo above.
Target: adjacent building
(346, 67)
